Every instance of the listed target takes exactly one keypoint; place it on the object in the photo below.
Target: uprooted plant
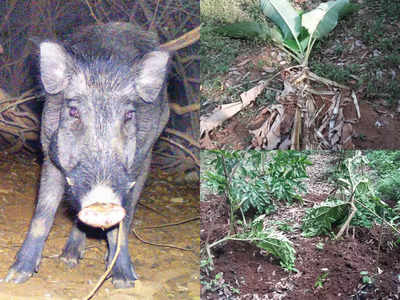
(310, 109)
(354, 203)
(248, 181)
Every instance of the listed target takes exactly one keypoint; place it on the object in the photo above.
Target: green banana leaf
(284, 16)
(291, 44)
(246, 30)
(251, 30)
(321, 219)
(323, 19)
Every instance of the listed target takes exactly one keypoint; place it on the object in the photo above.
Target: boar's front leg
(123, 272)
(50, 194)
(75, 246)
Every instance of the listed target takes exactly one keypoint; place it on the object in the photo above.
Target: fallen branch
(183, 136)
(181, 110)
(183, 41)
(191, 154)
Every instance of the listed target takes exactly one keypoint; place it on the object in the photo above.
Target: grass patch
(373, 25)
(341, 74)
(222, 11)
(217, 52)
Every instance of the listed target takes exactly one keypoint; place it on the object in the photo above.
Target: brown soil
(165, 273)
(259, 276)
(379, 128)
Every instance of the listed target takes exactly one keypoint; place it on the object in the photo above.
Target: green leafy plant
(249, 181)
(222, 166)
(358, 206)
(285, 175)
(271, 241)
(354, 184)
(319, 283)
(384, 162)
(296, 32)
(322, 218)
(366, 279)
(284, 226)
(218, 283)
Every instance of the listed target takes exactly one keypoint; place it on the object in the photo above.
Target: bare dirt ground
(259, 276)
(165, 273)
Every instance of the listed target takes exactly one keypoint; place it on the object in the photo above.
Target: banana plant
(295, 32)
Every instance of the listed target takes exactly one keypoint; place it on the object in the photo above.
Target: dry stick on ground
(184, 136)
(170, 224)
(379, 246)
(104, 276)
(152, 209)
(181, 110)
(195, 159)
(160, 245)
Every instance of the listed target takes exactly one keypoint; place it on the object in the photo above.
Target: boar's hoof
(72, 253)
(70, 260)
(125, 280)
(16, 275)
(123, 284)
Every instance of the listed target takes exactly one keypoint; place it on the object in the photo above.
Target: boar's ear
(54, 62)
(152, 75)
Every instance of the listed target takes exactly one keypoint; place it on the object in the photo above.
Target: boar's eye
(73, 112)
(129, 115)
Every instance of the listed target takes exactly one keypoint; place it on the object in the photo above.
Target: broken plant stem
(379, 217)
(350, 217)
(325, 81)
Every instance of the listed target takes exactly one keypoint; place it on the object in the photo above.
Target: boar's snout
(101, 207)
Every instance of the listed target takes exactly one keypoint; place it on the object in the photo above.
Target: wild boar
(106, 106)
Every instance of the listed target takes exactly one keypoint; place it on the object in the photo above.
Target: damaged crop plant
(309, 113)
(270, 198)
(250, 181)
